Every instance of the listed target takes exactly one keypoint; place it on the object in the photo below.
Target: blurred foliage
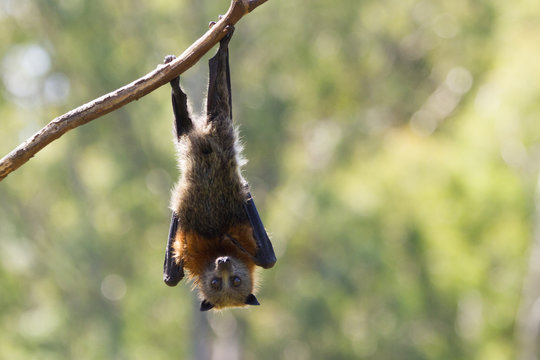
(393, 151)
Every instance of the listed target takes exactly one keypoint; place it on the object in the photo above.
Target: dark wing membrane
(265, 256)
(172, 272)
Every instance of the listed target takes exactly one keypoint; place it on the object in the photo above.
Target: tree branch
(126, 94)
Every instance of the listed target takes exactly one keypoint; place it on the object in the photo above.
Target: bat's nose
(223, 264)
(223, 260)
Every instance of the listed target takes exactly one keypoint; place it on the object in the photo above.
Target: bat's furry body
(210, 194)
(216, 234)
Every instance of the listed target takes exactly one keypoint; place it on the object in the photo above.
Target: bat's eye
(236, 281)
(216, 283)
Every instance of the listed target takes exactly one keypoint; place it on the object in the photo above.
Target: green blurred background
(394, 152)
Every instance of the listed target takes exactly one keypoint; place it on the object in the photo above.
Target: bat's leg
(172, 272)
(182, 123)
(218, 106)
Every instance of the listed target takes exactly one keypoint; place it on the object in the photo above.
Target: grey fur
(211, 192)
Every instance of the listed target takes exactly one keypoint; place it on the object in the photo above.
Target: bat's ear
(252, 300)
(205, 305)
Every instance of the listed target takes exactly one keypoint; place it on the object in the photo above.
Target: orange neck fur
(199, 252)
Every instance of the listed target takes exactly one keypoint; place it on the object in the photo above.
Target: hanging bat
(216, 233)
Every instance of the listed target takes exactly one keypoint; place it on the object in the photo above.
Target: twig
(126, 94)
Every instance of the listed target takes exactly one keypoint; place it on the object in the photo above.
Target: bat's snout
(223, 263)
(223, 260)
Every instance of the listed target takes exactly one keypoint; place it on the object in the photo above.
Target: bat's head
(226, 282)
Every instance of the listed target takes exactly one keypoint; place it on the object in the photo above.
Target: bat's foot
(230, 31)
(175, 83)
(168, 59)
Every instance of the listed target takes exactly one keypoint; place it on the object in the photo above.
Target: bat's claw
(212, 23)
(168, 59)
